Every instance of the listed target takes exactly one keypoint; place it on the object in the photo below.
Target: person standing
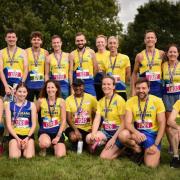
(148, 64)
(57, 66)
(13, 63)
(36, 61)
(83, 64)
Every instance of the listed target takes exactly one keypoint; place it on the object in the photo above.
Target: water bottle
(80, 147)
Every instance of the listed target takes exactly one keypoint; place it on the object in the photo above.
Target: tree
(62, 17)
(161, 16)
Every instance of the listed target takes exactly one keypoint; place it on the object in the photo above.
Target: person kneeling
(21, 123)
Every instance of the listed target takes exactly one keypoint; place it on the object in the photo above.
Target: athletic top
(110, 111)
(117, 68)
(50, 116)
(154, 107)
(102, 60)
(59, 69)
(83, 64)
(172, 79)
(13, 66)
(35, 78)
(176, 106)
(82, 114)
(21, 117)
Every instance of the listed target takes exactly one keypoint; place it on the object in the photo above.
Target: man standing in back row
(148, 64)
(13, 63)
(83, 64)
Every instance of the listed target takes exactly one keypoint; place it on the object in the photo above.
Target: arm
(128, 74)
(38, 104)
(25, 66)
(134, 74)
(139, 137)
(95, 64)
(9, 124)
(63, 123)
(47, 68)
(1, 111)
(71, 62)
(3, 79)
(95, 125)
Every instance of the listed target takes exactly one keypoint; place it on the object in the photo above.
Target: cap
(78, 82)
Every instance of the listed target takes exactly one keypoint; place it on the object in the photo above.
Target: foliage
(62, 17)
(161, 16)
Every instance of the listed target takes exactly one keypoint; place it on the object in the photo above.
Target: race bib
(82, 74)
(173, 88)
(59, 77)
(153, 76)
(50, 123)
(117, 78)
(147, 124)
(81, 118)
(109, 126)
(21, 122)
(14, 73)
(36, 77)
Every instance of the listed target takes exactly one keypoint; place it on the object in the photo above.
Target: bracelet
(156, 144)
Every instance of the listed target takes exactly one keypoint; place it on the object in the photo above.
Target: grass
(85, 167)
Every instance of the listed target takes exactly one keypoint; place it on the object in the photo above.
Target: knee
(44, 144)
(29, 156)
(73, 137)
(88, 138)
(124, 135)
(14, 156)
(151, 164)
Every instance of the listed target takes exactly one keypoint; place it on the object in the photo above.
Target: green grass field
(84, 166)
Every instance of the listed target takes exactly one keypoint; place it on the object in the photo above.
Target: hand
(72, 90)
(178, 131)
(93, 137)
(110, 143)
(152, 150)
(139, 137)
(19, 141)
(78, 134)
(24, 143)
(55, 140)
(7, 90)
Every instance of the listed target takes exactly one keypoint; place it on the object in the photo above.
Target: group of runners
(82, 95)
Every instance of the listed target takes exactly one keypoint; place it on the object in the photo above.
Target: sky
(129, 10)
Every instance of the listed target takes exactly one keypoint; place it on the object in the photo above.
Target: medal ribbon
(113, 65)
(49, 109)
(11, 59)
(172, 73)
(58, 60)
(35, 60)
(143, 114)
(107, 107)
(16, 114)
(150, 63)
(81, 57)
(80, 105)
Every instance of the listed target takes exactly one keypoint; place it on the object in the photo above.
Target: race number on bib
(59, 77)
(50, 123)
(36, 77)
(173, 88)
(21, 122)
(117, 78)
(153, 76)
(14, 73)
(110, 126)
(82, 74)
(147, 124)
(81, 118)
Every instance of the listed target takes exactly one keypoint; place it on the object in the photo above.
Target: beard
(142, 96)
(81, 46)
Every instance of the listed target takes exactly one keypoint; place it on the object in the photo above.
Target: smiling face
(11, 39)
(78, 90)
(113, 44)
(101, 43)
(172, 53)
(21, 94)
(107, 86)
(80, 41)
(51, 89)
(142, 90)
(56, 44)
(150, 39)
(36, 42)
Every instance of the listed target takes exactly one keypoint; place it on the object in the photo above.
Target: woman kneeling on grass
(21, 123)
(111, 109)
(52, 120)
